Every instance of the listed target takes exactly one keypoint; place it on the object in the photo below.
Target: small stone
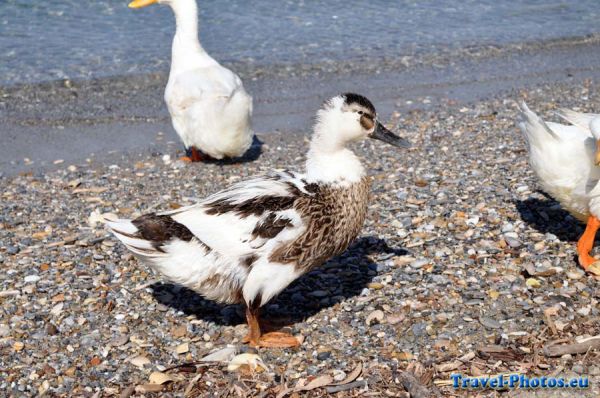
(182, 348)
(322, 356)
(575, 274)
(579, 369)
(512, 242)
(95, 361)
(585, 311)
(532, 282)
(490, 323)
(594, 370)
(179, 331)
(32, 278)
(4, 330)
(339, 375)
(51, 329)
(403, 356)
(374, 317)
(120, 340)
(18, 346)
(375, 286)
(419, 263)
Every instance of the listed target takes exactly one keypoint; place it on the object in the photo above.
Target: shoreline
(122, 115)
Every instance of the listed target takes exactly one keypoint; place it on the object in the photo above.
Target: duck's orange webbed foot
(192, 154)
(278, 340)
(585, 245)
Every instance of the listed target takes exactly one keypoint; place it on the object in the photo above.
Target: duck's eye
(360, 112)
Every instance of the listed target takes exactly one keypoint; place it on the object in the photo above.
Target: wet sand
(110, 120)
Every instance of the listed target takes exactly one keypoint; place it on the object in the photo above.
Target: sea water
(58, 39)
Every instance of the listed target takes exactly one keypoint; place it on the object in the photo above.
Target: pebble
(490, 323)
(31, 278)
(419, 263)
(512, 242)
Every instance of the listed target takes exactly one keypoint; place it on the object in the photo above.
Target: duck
(565, 159)
(209, 107)
(248, 242)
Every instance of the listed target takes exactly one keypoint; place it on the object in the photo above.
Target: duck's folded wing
(250, 217)
(207, 85)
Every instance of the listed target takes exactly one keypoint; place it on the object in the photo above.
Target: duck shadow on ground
(252, 154)
(546, 216)
(340, 278)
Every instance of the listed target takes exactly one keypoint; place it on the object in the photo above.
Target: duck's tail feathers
(129, 234)
(532, 125)
(579, 119)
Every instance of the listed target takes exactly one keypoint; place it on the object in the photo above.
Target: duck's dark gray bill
(385, 135)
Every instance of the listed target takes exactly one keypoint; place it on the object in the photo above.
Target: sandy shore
(108, 119)
(462, 267)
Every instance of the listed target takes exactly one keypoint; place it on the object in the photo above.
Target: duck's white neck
(329, 161)
(187, 53)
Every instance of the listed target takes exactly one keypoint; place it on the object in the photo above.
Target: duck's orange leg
(253, 328)
(193, 155)
(196, 155)
(269, 340)
(585, 245)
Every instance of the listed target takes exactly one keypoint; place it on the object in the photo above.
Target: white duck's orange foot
(585, 245)
(186, 159)
(278, 340)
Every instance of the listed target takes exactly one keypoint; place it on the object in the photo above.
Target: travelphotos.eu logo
(511, 381)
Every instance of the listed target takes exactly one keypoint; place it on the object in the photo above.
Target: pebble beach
(463, 266)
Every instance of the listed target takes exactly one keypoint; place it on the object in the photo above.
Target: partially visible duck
(565, 158)
(210, 109)
(248, 242)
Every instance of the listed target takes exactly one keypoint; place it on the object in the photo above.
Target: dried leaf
(318, 382)
(160, 378)
(139, 361)
(146, 388)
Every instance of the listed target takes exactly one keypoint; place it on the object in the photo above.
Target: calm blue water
(45, 40)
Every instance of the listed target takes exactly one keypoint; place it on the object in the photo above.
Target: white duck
(565, 159)
(209, 107)
(251, 240)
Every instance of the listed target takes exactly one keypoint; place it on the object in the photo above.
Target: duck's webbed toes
(278, 340)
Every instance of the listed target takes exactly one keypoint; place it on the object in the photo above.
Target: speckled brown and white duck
(250, 241)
